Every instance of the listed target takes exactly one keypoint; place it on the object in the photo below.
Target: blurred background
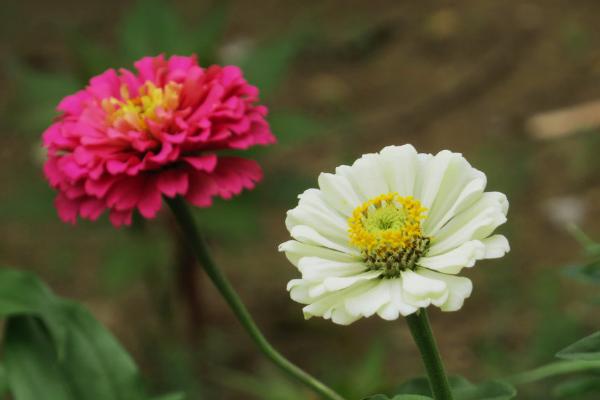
(513, 85)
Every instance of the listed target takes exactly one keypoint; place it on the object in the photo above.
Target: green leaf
(171, 396)
(33, 370)
(152, 27)
(489, 390)
(578, 387)
(398, 397)
(21, 293)
(96, 364)
(589, 272)
(587, 349)
(89, 364)
(3, 382)
(463, 389)
(590, 247)
(420, 385)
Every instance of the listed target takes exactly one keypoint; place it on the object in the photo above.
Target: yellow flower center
(151, 104)
(387, 230)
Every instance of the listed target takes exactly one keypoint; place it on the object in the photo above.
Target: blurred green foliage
(581, 387)
(587, 349)
(38, 95)
(398, 397)
(588, 270)
(462, 389)
(54, 349)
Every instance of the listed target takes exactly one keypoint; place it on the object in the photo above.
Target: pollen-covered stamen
(152, 103)
(387, 230)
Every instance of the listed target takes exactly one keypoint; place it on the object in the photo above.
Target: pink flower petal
(151, 199)
(202, 163)
(119, 218)
(173, 182)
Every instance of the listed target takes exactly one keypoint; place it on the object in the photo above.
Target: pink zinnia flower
(129, 138)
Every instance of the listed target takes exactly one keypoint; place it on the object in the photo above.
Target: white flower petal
(421, 291)
(366, 176)
(338, 283)
(477, 222)
(460, 187)
(496, 246)
(432, 174)
(295, 251)
(396, 306)
(313, 211)
(459, 288)
(316, 268)
(368, 302)
(298, 289)
(400, 168)
(306, 234)
(331, 306)
(332, 284)
(454, 260)
(342, 317)
(338, 193)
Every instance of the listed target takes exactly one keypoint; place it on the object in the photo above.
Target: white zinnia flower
(388, 235)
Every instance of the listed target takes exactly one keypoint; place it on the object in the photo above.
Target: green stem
(423, 336)
(200, 248)
(553, 369)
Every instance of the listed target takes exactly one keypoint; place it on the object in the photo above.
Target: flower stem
(423, 336)
(200, 248)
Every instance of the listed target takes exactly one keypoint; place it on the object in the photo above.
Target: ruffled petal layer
(97, 162)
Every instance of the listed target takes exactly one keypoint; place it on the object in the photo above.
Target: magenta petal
(115, 167)
(202, 163)
(119, 218)
(67, 209)
(173, 182)
(234, 174)
(99, 187)
(105, 85)
(74, 103)
(202, 189)
(151, 200)
(92, 208)
(148, 67)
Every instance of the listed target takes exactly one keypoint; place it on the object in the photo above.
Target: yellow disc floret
(150, 104)
(387, 230)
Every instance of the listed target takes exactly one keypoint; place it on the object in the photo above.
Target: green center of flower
(387, 230)
(385, 218)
